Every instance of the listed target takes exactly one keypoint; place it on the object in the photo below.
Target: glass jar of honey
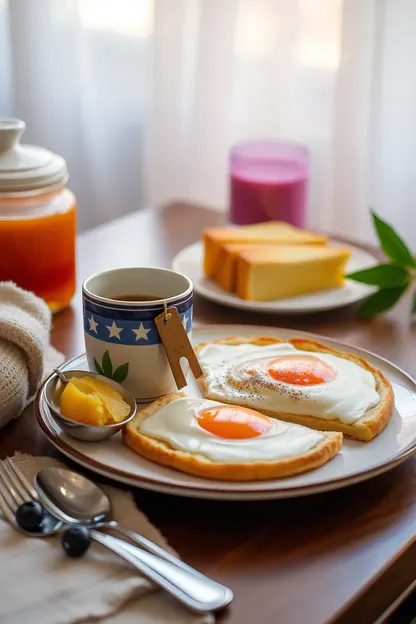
(37, 219)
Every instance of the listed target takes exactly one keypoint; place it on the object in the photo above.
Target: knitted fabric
(25, 354)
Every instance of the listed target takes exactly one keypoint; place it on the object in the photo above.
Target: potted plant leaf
(392, 277)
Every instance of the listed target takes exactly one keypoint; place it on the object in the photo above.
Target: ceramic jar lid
(26, 167)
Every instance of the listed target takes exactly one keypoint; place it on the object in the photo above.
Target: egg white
(175, 423)
(237, 374)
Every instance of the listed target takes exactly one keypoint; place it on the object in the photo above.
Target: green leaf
(391, 243)
(107, 365)
(120, 374)
(380, 301)
(98, 368)
(383, 275)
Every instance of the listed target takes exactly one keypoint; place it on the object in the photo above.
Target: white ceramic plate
(356, 462)
(189, 262)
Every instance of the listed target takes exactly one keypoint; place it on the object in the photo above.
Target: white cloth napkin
(40, 584)
(26, 356)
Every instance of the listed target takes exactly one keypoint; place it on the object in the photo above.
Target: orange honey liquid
(37, 245)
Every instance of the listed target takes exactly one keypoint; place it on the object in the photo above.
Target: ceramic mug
(121, 338)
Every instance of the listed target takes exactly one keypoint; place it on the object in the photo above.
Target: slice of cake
(266, 273)
(226, 275)
(276, 232)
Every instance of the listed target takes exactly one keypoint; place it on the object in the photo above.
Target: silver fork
(198, 593)
(16, 489)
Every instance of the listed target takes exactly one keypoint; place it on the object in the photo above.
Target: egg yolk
(233, 422)
(302, 370)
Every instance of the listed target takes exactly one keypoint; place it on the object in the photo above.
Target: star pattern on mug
(141, 332)
(114, 331)
(185, 320)
(138, 330)
(93, 324)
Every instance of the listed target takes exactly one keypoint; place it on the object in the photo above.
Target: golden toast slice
(277, 232)
(265, 274)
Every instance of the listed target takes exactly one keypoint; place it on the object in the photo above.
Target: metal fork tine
(8, 484)
(13, 485)
(7, 511)
(7, 495)
(20, 481)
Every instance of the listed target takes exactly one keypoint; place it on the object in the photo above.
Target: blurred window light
(132, 18)
(319, 36)
(257, 29)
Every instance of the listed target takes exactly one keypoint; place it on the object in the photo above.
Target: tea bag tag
(177, 345)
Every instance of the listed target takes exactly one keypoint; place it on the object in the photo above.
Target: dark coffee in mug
(137, 298)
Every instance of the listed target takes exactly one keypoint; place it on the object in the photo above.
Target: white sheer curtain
(78, 77)
(145, 97)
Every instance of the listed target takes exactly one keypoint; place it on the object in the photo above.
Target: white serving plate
(356, 462)
(189, 262)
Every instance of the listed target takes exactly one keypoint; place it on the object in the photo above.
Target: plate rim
(242, 304)
(215, 489)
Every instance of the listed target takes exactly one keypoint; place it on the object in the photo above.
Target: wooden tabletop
(341, 557)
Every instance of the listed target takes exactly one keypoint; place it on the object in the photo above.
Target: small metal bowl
(87, 433)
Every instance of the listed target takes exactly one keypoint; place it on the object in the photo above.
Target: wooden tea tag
(177, 345)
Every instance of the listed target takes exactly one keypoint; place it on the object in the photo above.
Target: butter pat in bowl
(88, 406)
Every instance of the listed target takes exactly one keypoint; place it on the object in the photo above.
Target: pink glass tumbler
(268, 181)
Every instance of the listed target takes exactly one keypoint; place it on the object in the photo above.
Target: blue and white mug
(121, 338)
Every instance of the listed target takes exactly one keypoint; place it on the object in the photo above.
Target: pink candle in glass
(268, 181)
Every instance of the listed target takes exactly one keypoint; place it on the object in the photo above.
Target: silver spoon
(76, 500)
(190, 589)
